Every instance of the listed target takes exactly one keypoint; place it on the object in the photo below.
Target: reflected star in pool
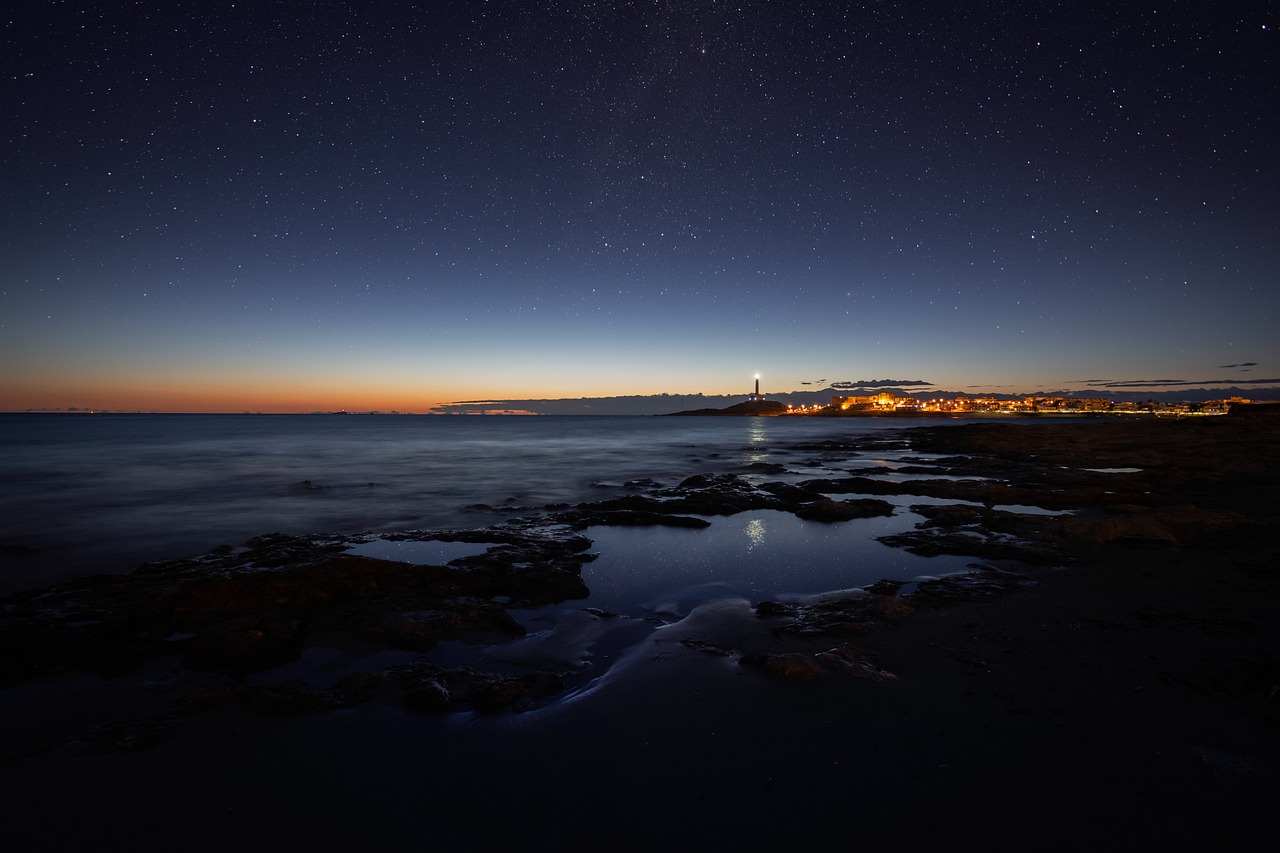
(755, 533)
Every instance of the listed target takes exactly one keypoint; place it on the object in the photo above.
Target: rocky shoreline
(1112, 502)
(241, 610)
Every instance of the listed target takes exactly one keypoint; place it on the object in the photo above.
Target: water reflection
(756, 437)
(645, 570)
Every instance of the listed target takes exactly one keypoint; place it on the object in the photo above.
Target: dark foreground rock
(830, 510)
(844, 659)
(247, 609)
(1040, 493)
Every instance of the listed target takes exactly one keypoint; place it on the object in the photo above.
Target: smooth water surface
(753, 555)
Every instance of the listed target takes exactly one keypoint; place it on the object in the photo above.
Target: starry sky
(288, 207)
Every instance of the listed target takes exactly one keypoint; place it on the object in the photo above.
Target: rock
(705, 647)
(253, 607)
(774, 608)
(789, 495)
(245, 644)
(927, 543)
(421, 629)
(427, 694)
(792, 665)
(642, 483)
(973, 586)
(828, 511)
(467, 689)
(764, 468)
(890, 608)
(797, 666)
(850, 661)
(840, 615)
(749, 408)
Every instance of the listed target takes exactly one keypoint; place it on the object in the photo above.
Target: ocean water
(84, 494)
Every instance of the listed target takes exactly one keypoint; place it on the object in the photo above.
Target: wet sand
(1130, 698)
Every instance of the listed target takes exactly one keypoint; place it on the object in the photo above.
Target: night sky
(288, 206)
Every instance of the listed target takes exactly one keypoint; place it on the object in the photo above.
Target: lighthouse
(757, 396)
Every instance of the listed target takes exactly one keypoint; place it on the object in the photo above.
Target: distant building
(884, 400)
(846, 403)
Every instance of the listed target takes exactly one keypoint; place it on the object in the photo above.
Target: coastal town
(889, 403)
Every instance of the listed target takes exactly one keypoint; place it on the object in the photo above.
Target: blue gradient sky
(377, 206)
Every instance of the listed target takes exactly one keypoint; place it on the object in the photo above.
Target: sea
(84, 494)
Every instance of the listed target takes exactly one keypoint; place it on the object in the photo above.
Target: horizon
(662, 403)
(395, 209)
(1263, 390)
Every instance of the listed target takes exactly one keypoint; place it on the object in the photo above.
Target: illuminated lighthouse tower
(757, 397)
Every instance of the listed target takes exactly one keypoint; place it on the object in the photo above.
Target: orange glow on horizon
(215, 397)
(317, 386)
(282, 397)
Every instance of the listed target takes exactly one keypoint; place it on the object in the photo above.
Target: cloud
(881, 383)
(1241, 364)
(1180, 383)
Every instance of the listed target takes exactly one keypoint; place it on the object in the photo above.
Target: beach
(1109, 673)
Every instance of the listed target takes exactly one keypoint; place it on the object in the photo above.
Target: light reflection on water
(83, 494)
(670, 571)
(757, 436)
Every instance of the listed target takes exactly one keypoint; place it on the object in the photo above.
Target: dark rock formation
(1170, 482)
(799, 666)
(850, 613)
(987, 582)
(254, 607)
(828, 510)
(750, 408)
